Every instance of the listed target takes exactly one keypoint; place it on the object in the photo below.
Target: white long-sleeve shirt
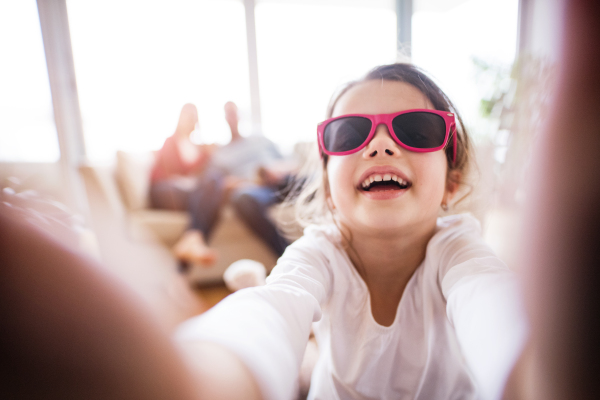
(458, 330)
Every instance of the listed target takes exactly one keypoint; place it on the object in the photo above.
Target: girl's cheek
(332, 170)
(340, 181)
(333, 188)
(438, 174)
(429, 180)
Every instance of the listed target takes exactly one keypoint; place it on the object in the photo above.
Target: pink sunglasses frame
(386, 119)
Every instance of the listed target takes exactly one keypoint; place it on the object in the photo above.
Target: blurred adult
(178, 183)
(247, 171)
(257, 176)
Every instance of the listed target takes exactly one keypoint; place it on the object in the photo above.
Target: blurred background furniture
(120, 192)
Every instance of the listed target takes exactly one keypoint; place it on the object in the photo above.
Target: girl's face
(386, 208)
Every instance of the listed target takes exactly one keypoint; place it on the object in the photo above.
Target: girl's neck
(388, 253)
(386, 262)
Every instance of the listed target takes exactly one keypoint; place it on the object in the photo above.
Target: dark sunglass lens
(346, 134)
(420, 129)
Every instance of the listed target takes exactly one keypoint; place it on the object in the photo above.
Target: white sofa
(121, 192)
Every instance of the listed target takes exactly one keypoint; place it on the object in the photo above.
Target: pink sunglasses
(419, 130)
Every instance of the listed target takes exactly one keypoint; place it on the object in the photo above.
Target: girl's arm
(484, 306)
(218, 373)
(72, 330)
(562, 228)
(263, 331)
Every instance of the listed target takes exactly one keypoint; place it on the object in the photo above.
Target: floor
(211, 295)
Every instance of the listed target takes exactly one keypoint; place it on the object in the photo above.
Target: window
(27, 129)
(307, 49)
(448, 36)
(137, 62)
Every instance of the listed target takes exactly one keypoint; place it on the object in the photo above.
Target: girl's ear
(452, 186)
(330, 203)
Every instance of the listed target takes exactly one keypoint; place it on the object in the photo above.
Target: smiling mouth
(378, 183)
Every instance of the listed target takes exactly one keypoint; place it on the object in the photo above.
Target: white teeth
(386, 177)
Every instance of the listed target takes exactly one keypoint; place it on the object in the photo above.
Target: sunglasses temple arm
(455, 133)
(319, 149)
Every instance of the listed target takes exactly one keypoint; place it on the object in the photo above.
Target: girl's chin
(383, 223)
(396, 219)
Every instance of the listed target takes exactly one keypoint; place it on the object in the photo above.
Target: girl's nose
(382, 144)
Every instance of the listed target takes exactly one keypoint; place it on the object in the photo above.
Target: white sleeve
(484, 305)
(268, 327)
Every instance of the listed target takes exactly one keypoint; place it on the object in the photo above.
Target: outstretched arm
(70, 330)
(562, 261)
(483, 304)
(218, 373)
(261, 332)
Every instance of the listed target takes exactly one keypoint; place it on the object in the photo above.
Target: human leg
(203, 204)
(168, 195)
(251, 204)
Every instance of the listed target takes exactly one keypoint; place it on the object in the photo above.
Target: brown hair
(312, 190)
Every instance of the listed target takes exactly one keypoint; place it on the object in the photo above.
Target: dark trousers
(203, 201)
(251, 204)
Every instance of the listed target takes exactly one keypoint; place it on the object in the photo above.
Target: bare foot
(191, 247)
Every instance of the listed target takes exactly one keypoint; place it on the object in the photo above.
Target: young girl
(404, 305)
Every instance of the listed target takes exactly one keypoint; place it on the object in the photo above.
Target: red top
(169, 162)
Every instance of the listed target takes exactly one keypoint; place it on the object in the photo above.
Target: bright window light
(138, 62)
(27, 129)
(446, 36)
(306, 51)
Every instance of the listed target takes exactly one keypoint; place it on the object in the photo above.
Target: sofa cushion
(166, 225)
(133, 176)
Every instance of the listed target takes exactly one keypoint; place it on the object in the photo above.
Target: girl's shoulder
(458, 225)
(456, 221)
(315, 255)
(329, 232)
(458, 234)
(458, 240)
(320, 243)
(321, 239)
